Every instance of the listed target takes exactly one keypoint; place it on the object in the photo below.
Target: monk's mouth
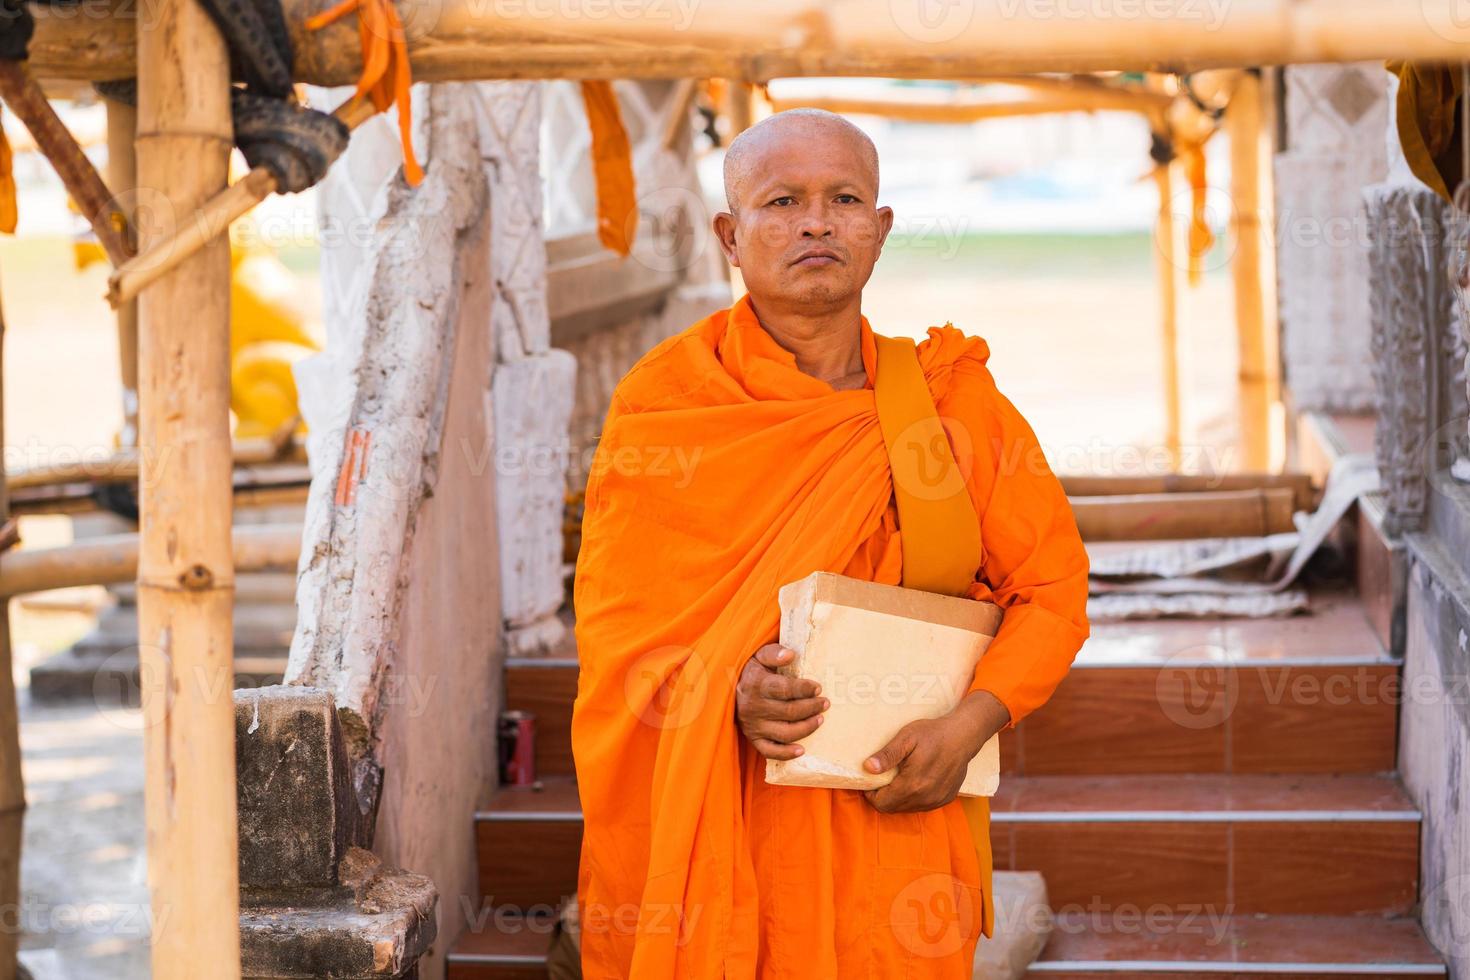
(816, 260)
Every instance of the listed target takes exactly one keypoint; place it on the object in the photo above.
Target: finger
(888, 799)
(776, 750)
(774, 655)
(785, 731)
(779, 687)
(773, 710)
(898, 748)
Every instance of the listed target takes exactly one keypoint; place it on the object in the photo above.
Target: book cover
(884, 656)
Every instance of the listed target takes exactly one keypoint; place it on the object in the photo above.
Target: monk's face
(806, 229)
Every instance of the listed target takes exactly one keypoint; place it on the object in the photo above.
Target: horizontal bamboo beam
(126, 464)
(113, 559)
(968, 110)
(757, 40)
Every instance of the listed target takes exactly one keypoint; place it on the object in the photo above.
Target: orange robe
(724, 472)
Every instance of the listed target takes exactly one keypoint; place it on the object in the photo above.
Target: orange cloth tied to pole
(723, 473)
(9, 214)
(612, 167)
(386, 73)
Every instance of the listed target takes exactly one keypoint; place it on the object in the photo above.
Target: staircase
(1206, 799)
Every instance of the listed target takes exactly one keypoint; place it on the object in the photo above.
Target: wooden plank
(1173, 516)
(1304, 493)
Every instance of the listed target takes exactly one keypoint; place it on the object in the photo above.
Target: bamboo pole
(757, 40)
(185, 582)
(971, 110)
(739, 106)
(113, 559)
(23, 95)
(1252, 268)
(677, 121)
(12, 782)
(122, 177)
(128, 464)
(212, 219)
(1167, 265)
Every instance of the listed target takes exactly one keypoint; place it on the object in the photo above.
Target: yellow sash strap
(938, 528)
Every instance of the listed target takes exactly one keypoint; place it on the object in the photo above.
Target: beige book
(884, 656)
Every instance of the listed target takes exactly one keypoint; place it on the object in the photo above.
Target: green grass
(1009, 254)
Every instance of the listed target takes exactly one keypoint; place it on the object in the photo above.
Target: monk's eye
(847, 199)
(784, 197)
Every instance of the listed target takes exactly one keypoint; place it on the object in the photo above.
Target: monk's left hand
(932, 755)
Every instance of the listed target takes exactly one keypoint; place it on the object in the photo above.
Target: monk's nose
(814, 223)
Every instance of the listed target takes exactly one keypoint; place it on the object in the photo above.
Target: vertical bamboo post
(185, 571)
(1165, 250)
(1252, 265)
(12, 785)
(122, 178)
(741, 108)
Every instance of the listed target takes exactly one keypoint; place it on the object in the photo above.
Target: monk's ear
(724, 228)
(885, 224)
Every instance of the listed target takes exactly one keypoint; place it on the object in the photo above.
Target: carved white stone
(1335, 116)
(533, 404)
(385, 371)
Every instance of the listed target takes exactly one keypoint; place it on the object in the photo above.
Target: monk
(737, 456)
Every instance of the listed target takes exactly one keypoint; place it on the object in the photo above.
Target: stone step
(1193, 946)
(1299, 694)
(501, 947)
(1299, 844)
(546, 687)
(1187, 946)
(527, 842)
(111, 678)
(1288, 844)
(1310, 694)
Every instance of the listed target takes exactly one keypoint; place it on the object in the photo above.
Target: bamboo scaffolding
(971, 110)
(205, 223)
(185, 573)
(757, 40)
(24, 97)
(739, 106)
(12, 782)
(113, 559)
(128, 464)
(122, 176)
(1250, 265)
(677, 121)
(1166, 262)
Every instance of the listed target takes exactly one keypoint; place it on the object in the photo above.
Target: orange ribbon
(386, 75)
(8, 213)
(612, 164)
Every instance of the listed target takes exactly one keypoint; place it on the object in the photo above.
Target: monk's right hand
(773, 710)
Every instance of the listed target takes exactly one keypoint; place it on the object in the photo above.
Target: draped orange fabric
(386, 74)
(612, 167)
(724, 472)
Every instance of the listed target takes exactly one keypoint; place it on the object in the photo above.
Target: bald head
(804, 226)
(810, 130)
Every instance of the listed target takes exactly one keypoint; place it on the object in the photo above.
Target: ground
(1071, 322)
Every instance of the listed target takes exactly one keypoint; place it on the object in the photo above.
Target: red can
(517, 745)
